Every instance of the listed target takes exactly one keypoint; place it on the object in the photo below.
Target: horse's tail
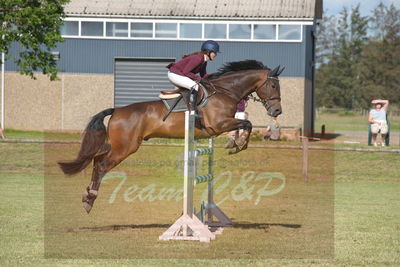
(93, 140)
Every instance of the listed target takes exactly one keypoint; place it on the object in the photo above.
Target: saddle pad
(181, 107)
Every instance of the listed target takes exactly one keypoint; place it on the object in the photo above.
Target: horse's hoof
(88, 207)
(85, 196)
(241, 141)
(244, 147)
(89, 195)
(230, 144)
(234, 150)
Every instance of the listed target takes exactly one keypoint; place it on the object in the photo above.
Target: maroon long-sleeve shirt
(241, 106)
(190, 66)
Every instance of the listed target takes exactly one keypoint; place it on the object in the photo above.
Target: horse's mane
(238, 66)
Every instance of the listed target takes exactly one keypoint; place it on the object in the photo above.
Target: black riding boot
(193, 101)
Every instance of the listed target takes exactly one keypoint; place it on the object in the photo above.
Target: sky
(333, 7)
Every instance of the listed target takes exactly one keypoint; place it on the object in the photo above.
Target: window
(92, 28)
(190, 30)
(264, 32)
(70, 28)
(141, 29)
(117, 29)
(198, 30)
(240, 31)
(215, 31)
(289, 32)
(165, 30)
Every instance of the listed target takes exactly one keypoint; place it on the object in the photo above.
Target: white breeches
(241, 115)
(182, 81)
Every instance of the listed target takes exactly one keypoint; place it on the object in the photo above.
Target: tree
(385, 22)
(325, 40)
(338, 79)
(35, 26)
(380, 68)
(360, 69)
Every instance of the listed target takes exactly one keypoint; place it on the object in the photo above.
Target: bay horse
(130, 125)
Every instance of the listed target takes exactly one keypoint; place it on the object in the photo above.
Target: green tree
(385, 22)
(35, 26)
(380, 67)
(338, 80)
(325, 40)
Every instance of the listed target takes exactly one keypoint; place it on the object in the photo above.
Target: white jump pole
(188, 226)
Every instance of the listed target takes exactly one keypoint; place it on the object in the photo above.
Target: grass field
(353, 122)
(352, 128)
(340, 122)
(348, 214)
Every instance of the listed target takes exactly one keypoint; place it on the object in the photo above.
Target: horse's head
(270, 92)
(233, 79)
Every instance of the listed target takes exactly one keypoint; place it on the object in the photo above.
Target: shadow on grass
(119, 227)
(249, 225)
(327, 136)
(241, 225)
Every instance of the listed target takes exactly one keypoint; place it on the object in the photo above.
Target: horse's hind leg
(102, 164)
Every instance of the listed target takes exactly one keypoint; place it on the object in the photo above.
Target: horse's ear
(274, 72)
(279, 73)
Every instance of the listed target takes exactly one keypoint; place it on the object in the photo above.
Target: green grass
(337, 122)
(366, 229)
(19, 134)
(366, 211)
(255, 138)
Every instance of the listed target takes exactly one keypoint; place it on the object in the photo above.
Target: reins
(254, 98)
(264, 101)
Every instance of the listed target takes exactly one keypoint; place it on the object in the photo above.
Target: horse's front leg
(235, 124)
(243, 140)
(119, 150)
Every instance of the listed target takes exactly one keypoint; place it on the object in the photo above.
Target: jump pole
(211, 209)
(189, 226)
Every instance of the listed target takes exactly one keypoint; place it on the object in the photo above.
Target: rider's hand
(204, 80)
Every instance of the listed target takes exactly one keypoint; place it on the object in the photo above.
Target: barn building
(115, 53)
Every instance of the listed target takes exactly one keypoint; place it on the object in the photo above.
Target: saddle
(172, 99)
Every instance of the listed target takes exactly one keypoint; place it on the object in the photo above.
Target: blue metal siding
(97, 55)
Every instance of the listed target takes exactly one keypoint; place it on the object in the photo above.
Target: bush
(347, 113)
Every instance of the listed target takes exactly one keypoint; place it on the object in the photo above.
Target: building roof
(213, 9)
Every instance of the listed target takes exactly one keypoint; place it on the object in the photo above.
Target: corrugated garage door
(139, 80)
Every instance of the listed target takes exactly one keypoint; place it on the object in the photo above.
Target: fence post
(305, 158)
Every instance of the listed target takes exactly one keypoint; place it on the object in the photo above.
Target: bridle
(265, 100)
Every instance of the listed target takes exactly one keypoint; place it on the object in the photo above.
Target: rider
(184, 72)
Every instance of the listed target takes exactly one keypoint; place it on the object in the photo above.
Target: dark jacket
(190, 66)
